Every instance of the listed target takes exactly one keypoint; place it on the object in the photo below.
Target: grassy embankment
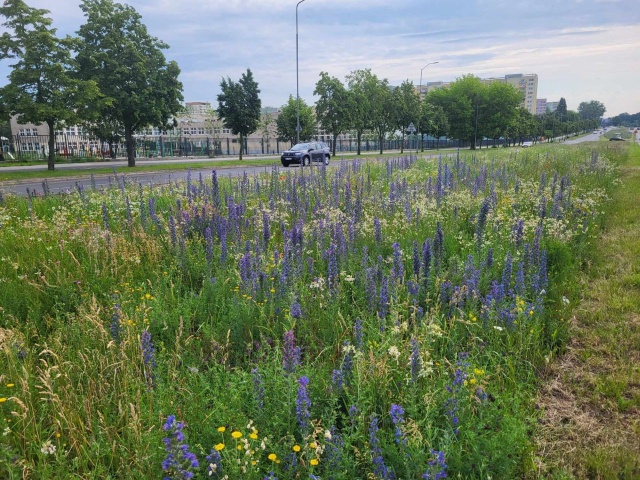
(591, 395)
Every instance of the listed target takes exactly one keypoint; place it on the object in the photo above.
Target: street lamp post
(297, 81)
(420, 97)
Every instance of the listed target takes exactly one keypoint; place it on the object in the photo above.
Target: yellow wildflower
(9, 385)
(273, 457)
(222, 429)
(296, 448)
(253, 436)
(314, 462)
(236, 434)
(3, 399)
(219, 447)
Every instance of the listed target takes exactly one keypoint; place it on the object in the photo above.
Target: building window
(226, 130)
(200, 130)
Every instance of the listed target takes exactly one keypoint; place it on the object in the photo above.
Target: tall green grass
(226, 278)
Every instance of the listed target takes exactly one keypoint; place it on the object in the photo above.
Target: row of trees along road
(113, 76)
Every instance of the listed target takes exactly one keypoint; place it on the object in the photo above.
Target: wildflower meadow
(378, 319)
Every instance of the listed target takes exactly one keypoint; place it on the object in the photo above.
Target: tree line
(113, 78)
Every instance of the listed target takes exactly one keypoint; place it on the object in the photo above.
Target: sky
(581, 50)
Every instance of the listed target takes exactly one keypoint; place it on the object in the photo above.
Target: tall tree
(406, 108)
(286, 122)
(359, 82)
(382, 108)
(127, 63)
(333, 108)
(561, 110)
(591, 110)
(239, 106)
(501, 108)
(461, 102)
(433, 122)
(42, 86)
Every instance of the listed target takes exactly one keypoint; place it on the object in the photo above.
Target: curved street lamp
(420, 97)
(297, 81)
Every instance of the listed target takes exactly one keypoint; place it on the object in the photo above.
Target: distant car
(596, 132)
(616, 139)
(527, 144)
(305, 153)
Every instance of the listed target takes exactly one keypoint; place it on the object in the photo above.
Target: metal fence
(74, 147)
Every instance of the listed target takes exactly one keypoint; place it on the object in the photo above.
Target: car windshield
(300, 146)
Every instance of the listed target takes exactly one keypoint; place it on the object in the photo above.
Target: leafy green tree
(127, 63)
(462, 102)
(501, 107)
(406, 108)
(42, 85)
(592, 110)
(286, 123)
(239, 106)
(383, 118)
(561, 110)
(360, 83)
(433, 122)
(333, 108)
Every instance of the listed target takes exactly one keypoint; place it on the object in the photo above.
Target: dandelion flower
(313, 445)
(314, 462)
(273, 457)
(253, 436)
(3, 399)
(219, 447)
(221, 429)
(236, 434)
(296, 448)
(9, 385)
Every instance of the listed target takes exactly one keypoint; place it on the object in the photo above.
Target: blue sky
(581, 49)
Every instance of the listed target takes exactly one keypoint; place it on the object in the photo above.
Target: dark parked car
(619, 139)
(305, 153)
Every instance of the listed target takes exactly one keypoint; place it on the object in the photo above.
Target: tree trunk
(402, 142)
(335, 139)
(380, 137)
(359, 139)
(128, 136)
(241, 145)
(51, 159)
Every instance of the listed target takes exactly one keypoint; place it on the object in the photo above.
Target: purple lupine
(258, 388)
(222, 234)
(208, 238)
(489, 260)
(172, 231)
(291, 353)
(416, 360)
(214, 467)
(452, 403)
(542, 208)
(507, 272)
(370, 288)
(517, 232)
(397, 270)
(426, 262)
(380, 469)
(542, 272)
(471, 278)
(397, 417)
(296, 310)
(337, 380)
(377, 231)
(128, 209)
(179, 462)
(266, 229)
(303, 405)
(437, 468)
(416, 259)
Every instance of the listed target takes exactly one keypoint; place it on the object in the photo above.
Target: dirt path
(590, 396)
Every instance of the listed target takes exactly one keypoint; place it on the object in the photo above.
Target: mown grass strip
(591, 396)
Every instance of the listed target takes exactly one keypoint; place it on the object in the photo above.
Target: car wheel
(326, 159)
(285, 164)
(306, 161)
